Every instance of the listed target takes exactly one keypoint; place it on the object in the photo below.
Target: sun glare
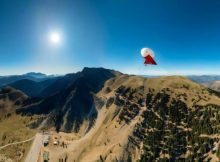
(55, 38)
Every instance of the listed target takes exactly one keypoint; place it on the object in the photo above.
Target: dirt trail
(15, 143)
(34, 152)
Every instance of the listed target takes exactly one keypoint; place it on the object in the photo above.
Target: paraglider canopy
(148, 54)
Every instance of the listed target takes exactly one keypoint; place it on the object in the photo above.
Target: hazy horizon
(149, 74)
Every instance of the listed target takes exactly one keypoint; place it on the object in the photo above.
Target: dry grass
(13, 129)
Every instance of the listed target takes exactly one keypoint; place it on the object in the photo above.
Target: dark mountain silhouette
(59, 84)
(32, 88)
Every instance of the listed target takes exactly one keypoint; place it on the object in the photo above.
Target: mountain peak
(89, 69)
(99, 69)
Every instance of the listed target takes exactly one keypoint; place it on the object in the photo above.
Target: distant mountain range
(196, 78)
(5, 80)
(210, 81)
(204, 78)
(214, 85)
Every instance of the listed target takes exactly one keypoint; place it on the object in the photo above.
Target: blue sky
(184, 34)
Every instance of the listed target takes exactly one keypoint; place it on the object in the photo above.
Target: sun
(55, 38)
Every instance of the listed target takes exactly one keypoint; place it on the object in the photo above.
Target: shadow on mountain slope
(69, 107)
